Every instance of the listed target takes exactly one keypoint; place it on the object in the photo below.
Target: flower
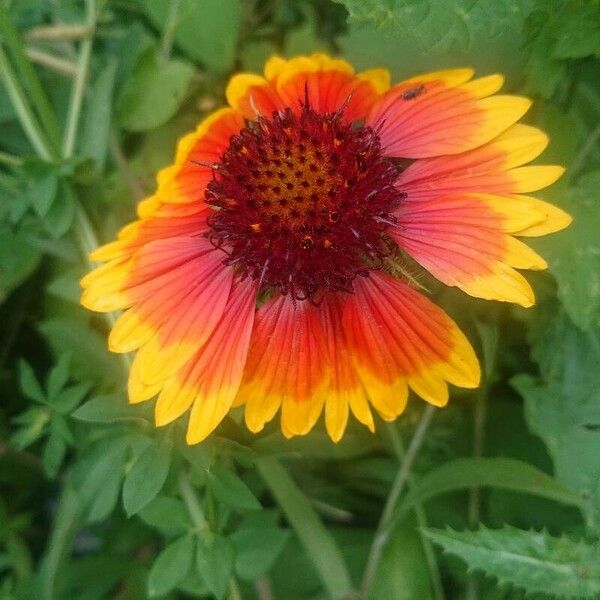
(263, 270)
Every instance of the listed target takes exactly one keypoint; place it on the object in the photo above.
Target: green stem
(386, 523)
(420, 514)
(14, 43)
(320, 547)
(83, 64)
(190, 500)
(26, 117)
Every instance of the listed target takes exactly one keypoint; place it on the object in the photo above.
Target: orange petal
(426, 118)
(253, 96)
(345, 389)
(462, 241)
(329, 84)
(191, 322)
(211, 378)
(399, 339)
(186, 179)
(287, 367)
(492, 168)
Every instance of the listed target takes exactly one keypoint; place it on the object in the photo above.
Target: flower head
(261, 272)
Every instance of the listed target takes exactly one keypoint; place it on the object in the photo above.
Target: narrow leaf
(320, 547)
(503, 473)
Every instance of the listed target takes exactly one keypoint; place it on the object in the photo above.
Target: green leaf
(107, 408)
(70, 397)
(90, 360)
(166, 514)
(206, 31)
(98, 476)
(531, 560)
(95, 133)
(441, 25)
(503, 473)
(154, 92)
(574, 254)
(403, 573)
(58, 376)
(214, 560)
(146, 476)
(33, 421)
(562, 406)
(59, 218)
(54, 453)
(18, 258)
(231, 490)
(317, 541)
(29, 383)
(171, 566)
(257, 549)
(578, 32)
(41, 186)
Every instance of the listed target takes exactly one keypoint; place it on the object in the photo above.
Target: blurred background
(502, 498)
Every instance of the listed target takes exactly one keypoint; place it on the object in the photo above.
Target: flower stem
(385, 527)
(421, 516)
(83, 64)
(190, 500)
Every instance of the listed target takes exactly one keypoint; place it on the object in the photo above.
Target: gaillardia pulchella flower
(261, 272)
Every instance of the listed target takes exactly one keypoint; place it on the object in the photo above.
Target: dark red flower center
(302, 202)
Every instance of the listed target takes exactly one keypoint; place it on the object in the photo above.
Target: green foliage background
(499, 494)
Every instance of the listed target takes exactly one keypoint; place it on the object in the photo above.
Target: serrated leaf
(257, 549)
(146, 476)
(214, 560)
(563, 405)
(171, 566)
(531, 560)
(441, 24)
(166, 514)
(154, 91)
(231, 490)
